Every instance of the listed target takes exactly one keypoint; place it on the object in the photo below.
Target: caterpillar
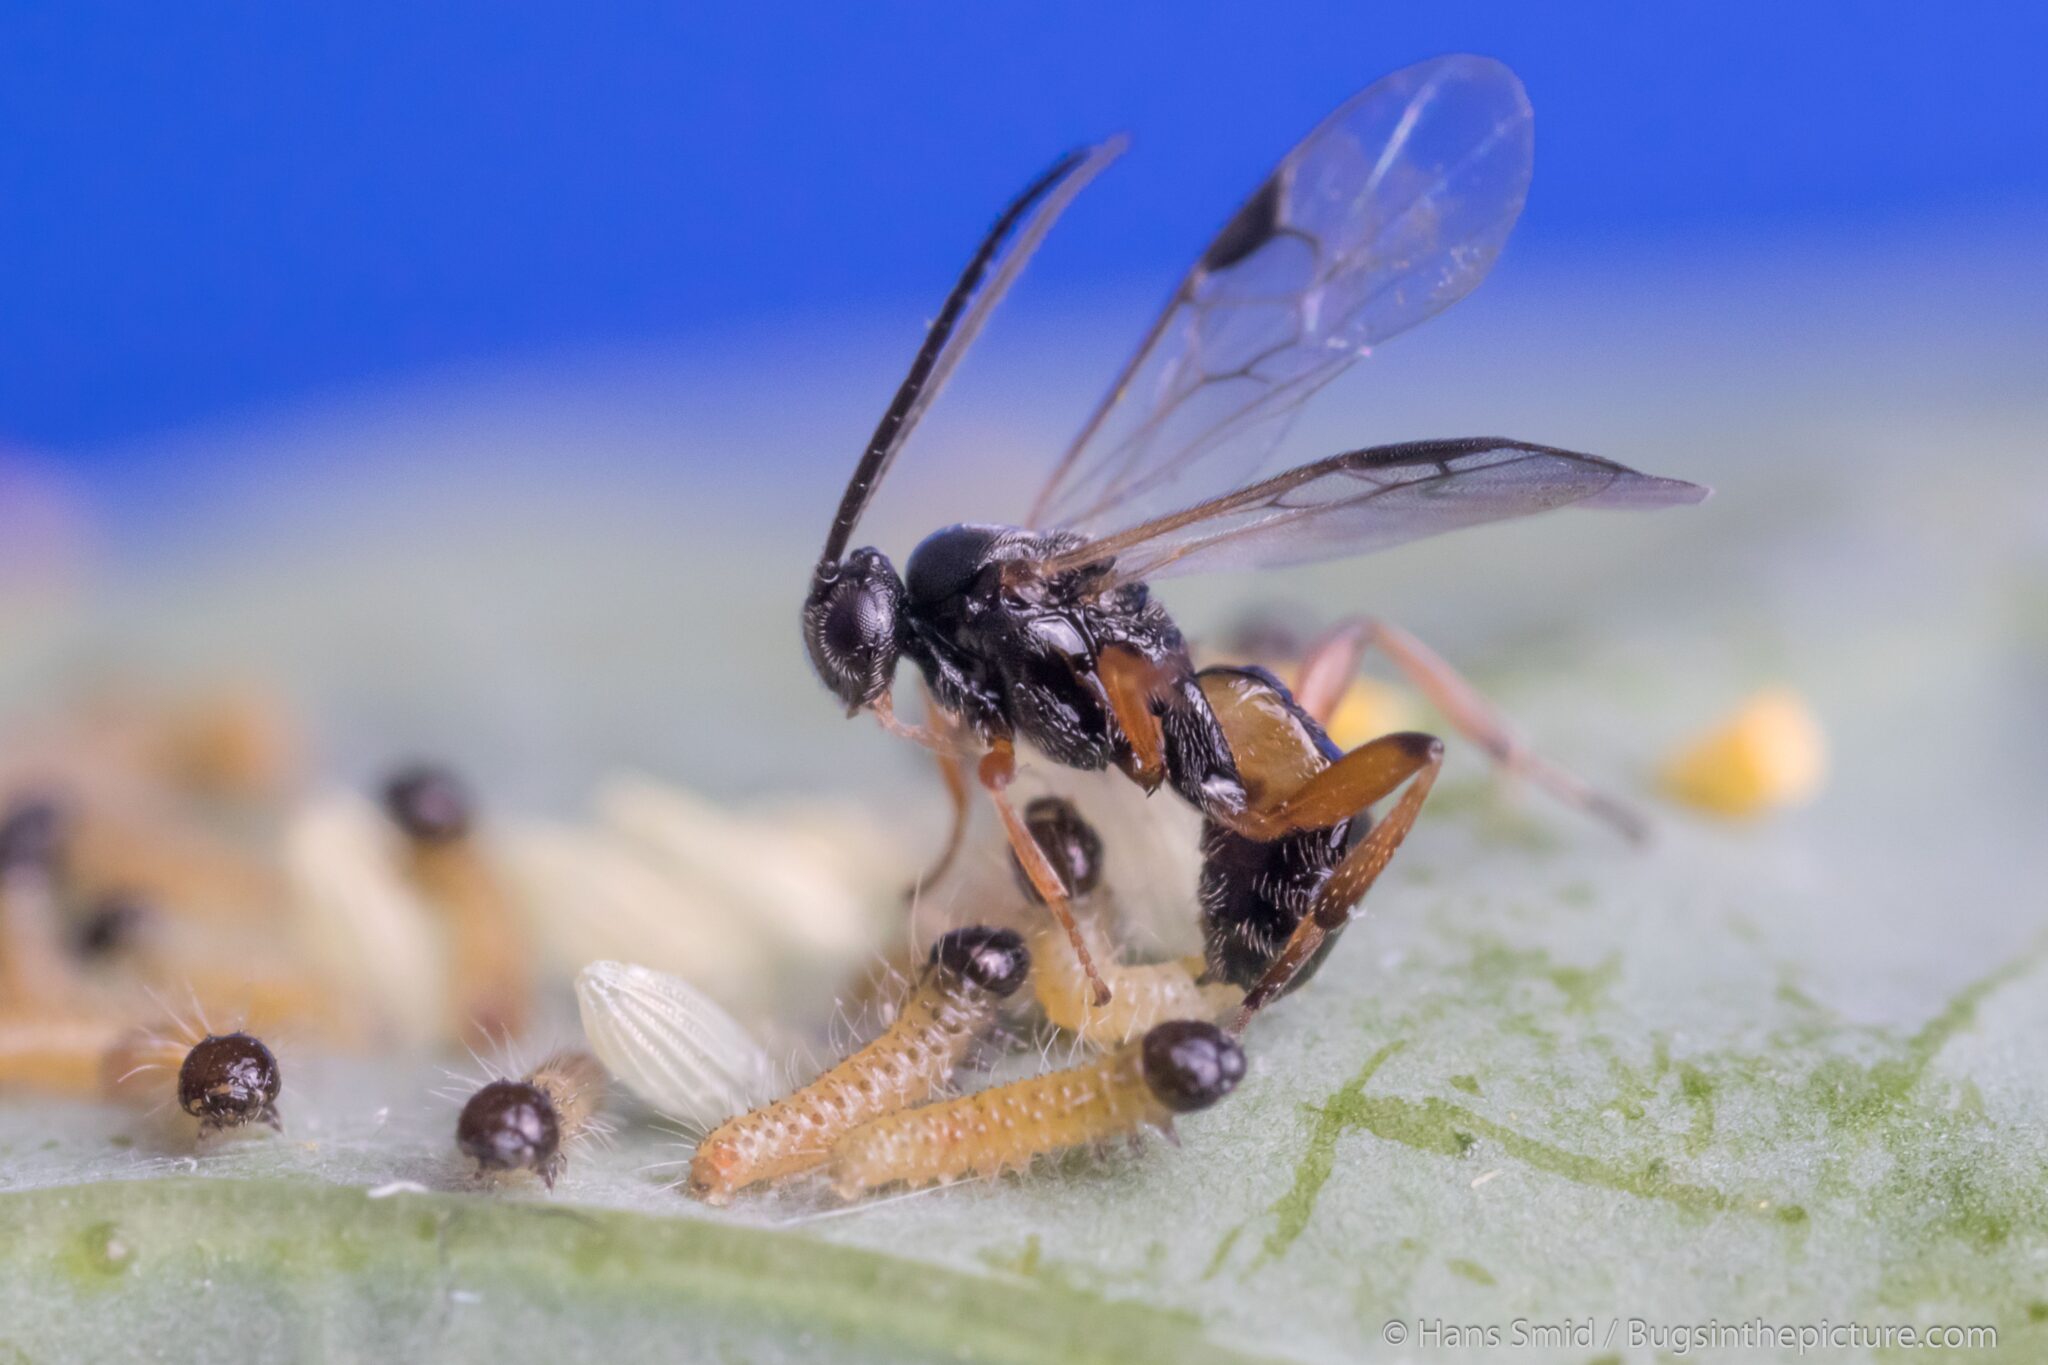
(1140, 995)
(224, 1080)
(490, 959)
(1178, 1067)
(969, 972)
(529, 1124)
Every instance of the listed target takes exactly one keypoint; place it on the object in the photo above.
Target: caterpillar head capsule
(1069, 841)
(996, 960)
(228, 1080)
(1189, 1065)
(430, 804)
(511, 1126)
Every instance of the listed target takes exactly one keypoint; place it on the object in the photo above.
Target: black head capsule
(1190, 1065)
(430, 804)
(116, 924)
(996, 960)
(853, 626)
(1069, 841)
(511, 1126)
(31, 836)
(229, 1080)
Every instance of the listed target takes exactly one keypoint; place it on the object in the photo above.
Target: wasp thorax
(228, 1080)
(509, 1126)
(994, 959)
(1190, 1065)
(852, 626)
(947, 562)
(1070, 842)
(429, 803)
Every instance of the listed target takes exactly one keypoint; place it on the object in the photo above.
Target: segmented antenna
(934, 360)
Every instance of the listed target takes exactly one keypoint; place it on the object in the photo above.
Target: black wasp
(1390, 211)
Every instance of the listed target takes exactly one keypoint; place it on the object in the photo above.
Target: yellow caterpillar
(1139, 995)
(1177, 1068)
(969, 973)
(491, 967)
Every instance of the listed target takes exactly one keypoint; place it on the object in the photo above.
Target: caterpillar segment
(1140, 994)
(1178, 1067)
(969, 974)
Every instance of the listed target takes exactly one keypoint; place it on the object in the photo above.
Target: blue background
(212, 210)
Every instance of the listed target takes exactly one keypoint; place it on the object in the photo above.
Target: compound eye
(850, 626)
(858, 622)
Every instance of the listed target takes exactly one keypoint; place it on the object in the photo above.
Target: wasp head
(853, 626)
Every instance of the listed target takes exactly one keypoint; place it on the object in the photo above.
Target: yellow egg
(1367, 710)
(1770, 753)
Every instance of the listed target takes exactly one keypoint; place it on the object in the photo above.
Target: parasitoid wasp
(1046, 632)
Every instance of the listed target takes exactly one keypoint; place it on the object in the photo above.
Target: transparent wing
(1368, 500)
(1389, 212)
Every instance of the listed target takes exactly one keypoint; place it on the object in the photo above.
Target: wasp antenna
(1043, 200)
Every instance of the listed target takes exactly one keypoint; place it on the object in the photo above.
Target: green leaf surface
(282, 1270)
(1781, 1073)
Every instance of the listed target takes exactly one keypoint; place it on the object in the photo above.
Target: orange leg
(1347, 787)
(941, 735)
(1338, 792)
(1334, 658)
(995, 770)
(1327, 668)
(997, 767)
(885, 714)
(953, 772)
(1351, 784)
(1128, 682)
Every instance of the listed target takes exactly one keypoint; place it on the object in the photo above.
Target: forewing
(1367, 500)
(1390, 211)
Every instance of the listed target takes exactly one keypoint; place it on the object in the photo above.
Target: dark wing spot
(1251, 228)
